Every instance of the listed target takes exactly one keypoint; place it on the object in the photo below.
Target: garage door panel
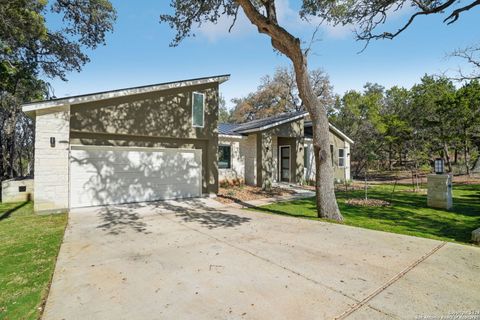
(111, 176)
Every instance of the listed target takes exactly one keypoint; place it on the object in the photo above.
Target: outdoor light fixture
(52, 142)
(439, 166)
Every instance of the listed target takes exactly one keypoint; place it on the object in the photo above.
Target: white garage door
(113, 175)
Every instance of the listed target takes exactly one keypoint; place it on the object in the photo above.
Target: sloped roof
(334, 129)
(236, 129)
(273, 121)
(228, 129)
(52, 103)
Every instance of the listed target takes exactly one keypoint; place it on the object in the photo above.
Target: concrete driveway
(199, 260)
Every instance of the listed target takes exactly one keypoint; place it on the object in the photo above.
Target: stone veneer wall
(11, 192)
(249, 146)
(51, 180)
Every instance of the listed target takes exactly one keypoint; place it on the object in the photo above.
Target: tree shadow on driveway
(117, 219)
(194, 210)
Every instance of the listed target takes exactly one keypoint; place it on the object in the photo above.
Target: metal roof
(239, 129)
(228, 129)
(269, 122)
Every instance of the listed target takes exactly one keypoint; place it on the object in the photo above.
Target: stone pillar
(439, 191)
(51, 180)
(265, 160)
(299, 157)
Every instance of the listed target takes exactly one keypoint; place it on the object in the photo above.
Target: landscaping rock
(476, 236)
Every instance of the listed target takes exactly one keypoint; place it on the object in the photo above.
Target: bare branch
(456, 13)
(471, 55)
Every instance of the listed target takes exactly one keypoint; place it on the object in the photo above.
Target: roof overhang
(275, 124)
(337, 131)
(340, 133)
(47, 104)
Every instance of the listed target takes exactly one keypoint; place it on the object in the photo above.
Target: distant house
(277, 149)
(161, 141)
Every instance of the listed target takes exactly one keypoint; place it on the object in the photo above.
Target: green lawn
(29, 246)
(408, 213)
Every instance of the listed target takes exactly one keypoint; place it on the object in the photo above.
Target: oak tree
(189, 14)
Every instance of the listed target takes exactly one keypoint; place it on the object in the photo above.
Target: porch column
(265, 160)
(300, 160)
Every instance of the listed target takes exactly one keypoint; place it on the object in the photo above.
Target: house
(277, 149)
(158, 142)
(130, 145)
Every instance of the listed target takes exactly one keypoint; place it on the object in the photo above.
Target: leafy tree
(31, 50)
(434, 110)
(224, 115)
(263, 14)
(467, 117)
(279, 93)
(359, 116)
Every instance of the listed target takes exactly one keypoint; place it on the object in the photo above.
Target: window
(22, 189)
(305, 156)
(341, 157)
(331, 155)
(198, 106)
(224, 157)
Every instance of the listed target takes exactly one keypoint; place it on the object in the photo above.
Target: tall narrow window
(305, 156)
(224, 157)
(198, 109)
(341, 157)
(331, 155)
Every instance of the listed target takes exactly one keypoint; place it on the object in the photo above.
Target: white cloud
(288, 16)
(213, 32)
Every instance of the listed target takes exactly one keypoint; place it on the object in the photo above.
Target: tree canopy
(279, 93)
(40, 39)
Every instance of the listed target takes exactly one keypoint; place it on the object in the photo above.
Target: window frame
(344, 157)
(203, 109)
(229, 160)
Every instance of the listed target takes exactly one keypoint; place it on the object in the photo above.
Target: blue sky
(138, 52)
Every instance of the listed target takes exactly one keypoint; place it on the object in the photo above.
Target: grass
(29, 245)
(408, 213)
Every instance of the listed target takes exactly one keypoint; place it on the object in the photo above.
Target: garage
(101, 175)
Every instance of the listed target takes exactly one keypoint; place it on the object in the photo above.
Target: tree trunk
(290, 46)
(447, 157)
(1, 154)
(327, 206)
(465, 152)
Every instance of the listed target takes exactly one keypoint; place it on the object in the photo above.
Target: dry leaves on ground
(367, 202)
(248, 193)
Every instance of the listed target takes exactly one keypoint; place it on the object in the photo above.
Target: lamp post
(439, 166)
(439, 187)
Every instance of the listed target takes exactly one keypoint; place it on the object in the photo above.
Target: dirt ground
(248, 193)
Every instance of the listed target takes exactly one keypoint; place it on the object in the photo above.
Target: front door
(285, 163)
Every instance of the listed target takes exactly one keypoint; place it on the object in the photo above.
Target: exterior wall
(158, 114)
(11, 193)
(237, 170)
(249, 147)
(160, 119)
(268, 142)
(52, 163)
(340, 173)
